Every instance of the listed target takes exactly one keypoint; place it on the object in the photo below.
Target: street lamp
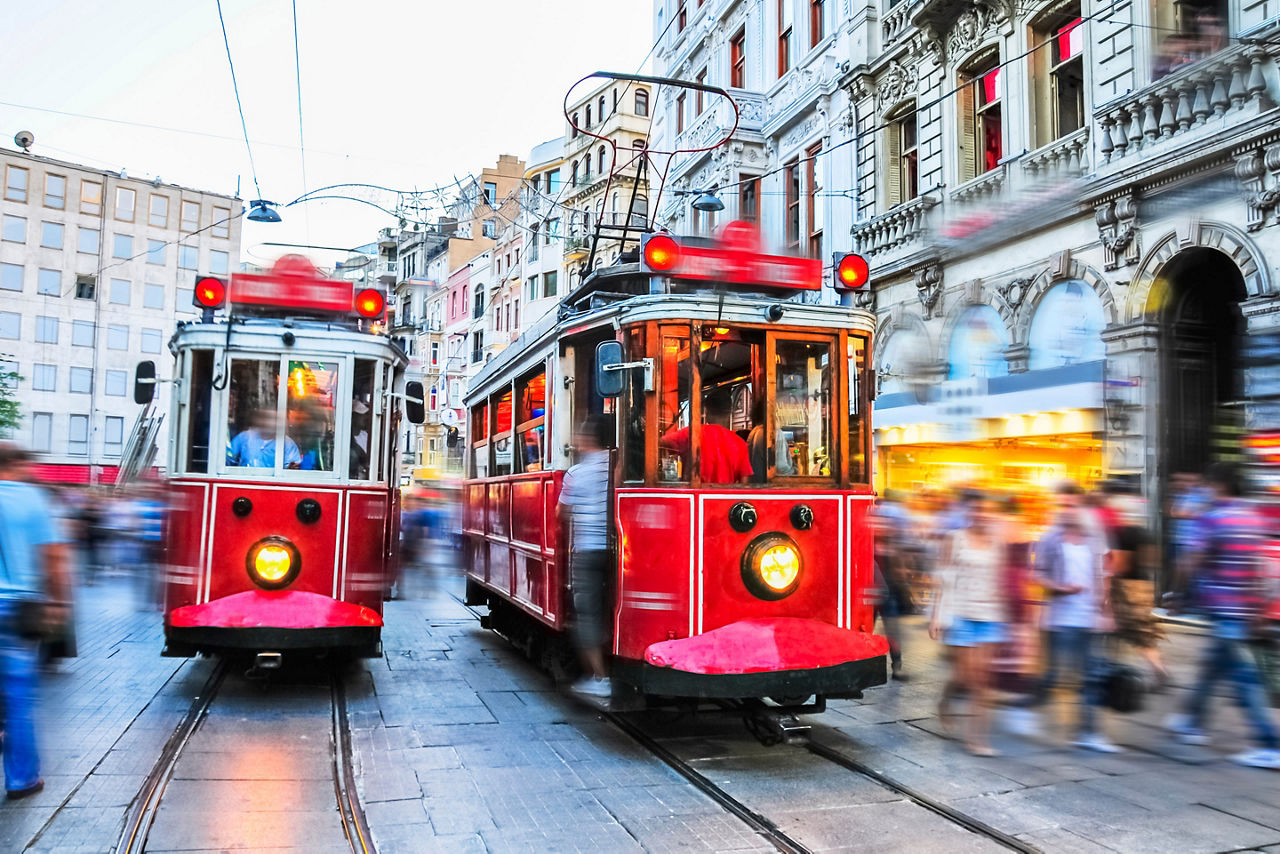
(260, 210)
(708, 202)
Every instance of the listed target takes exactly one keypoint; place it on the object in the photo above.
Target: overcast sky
(403, 93)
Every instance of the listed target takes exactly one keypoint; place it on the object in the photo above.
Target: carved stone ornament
(1118, 231)
(929, 288)
(968, 31)
(898, 81)
(1259, 176)
(865, 299)
(1014, 291)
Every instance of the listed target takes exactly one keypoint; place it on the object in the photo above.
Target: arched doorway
(1201, 330)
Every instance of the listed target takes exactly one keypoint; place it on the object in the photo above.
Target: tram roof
(309, 335)
(593, 304)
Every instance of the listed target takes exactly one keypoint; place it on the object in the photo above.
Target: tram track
(145, 808)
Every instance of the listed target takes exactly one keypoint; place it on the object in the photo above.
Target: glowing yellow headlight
(779, 566)
(273, 563)
(771, 566)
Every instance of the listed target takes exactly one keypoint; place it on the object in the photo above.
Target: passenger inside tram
(312, 388)
(255, 447)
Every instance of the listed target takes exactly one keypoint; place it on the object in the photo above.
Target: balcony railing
(903, 225)
(1067, 157)
(984, 188)
(897, 20)
(1203, 94)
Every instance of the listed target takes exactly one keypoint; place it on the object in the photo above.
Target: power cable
(302, 143)
(253, 169)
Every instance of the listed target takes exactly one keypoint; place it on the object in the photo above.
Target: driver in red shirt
(724, 457)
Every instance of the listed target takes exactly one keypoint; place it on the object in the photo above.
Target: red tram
(731, 591)
(284, 493)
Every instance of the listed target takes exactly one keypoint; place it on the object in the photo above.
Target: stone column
(1132, 390)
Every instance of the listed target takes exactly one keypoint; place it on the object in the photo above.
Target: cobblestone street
(460, 745)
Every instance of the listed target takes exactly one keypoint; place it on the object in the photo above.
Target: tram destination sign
(294, 283)
(734, 258)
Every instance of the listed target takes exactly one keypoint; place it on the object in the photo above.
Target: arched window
(615, 99)
(1067, 327)
(573, 132)
(977, 345)
(600, 108)
(588, 124)
(586, 167)
(642, 102)
(901, 360)
(639, 211)
(574, 173)
(600, 156)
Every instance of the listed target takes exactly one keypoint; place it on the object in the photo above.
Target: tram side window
(252, 417)
(802, 406)
(674, 404)
(361, 419)
(502, 437)
(313, 392)
(199, 412)
(858, 406)
(480, 440)
(531, 419)
(634, 412)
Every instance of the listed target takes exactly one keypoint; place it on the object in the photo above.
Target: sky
(401, 93)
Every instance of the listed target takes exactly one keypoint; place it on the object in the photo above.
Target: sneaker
(1184, 730)
(590, 686)
(34, 789)
(1096, 742)
(1259, 757)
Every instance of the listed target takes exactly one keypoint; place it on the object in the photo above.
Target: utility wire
(253, 169)
(297, 70)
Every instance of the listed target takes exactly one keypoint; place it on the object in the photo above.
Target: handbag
(1123, 688)
(30, 619)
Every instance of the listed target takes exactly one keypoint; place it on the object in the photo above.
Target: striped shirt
(586, 493)
(1231, 575)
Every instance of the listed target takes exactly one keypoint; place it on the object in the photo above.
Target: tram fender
(766, 645)
(277, 609)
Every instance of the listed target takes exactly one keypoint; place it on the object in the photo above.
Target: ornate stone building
(1069, 209)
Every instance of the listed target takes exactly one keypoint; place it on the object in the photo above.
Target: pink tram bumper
(273, 620)
(772, 656)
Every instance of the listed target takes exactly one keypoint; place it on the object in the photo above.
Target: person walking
(972, 596)
(1229, 585)
(34, 588)
(584, 502)
(1070, 568)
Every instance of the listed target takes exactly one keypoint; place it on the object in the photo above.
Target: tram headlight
(771, 566)
(273, 563)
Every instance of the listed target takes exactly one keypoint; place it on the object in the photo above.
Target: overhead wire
(235, 86)
(302, 142)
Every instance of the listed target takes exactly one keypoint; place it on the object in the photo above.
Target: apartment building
(96, 269)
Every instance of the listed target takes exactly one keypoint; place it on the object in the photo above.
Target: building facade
(96, 269)
(1069, 209)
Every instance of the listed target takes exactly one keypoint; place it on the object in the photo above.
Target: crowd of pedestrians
(1036, 602)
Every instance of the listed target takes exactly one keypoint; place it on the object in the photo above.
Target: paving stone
(717, 831)
(897, 826)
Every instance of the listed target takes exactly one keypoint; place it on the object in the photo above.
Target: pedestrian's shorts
(974, 632)
(589, 576)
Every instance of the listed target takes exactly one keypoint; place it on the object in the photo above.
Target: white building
(96, 269)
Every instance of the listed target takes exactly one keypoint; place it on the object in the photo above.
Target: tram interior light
(370, 303)
(210, 292)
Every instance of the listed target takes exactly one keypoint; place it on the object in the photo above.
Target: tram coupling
(773, 725)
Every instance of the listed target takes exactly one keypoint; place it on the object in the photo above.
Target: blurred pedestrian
(1230, 579)
(893, 591)
(35, 589)
(148, 529)
(1188, 500)
(972, 598)
(584, 503)
(1070, 567)
(1132, 581)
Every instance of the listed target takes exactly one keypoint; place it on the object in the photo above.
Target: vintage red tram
(282, 527)
(722, 590)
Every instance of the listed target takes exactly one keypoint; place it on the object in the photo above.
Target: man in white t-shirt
(1069, 565)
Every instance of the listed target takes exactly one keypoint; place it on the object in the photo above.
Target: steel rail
(761, 825)
(950, 813)
(354, 822)
(142, 812)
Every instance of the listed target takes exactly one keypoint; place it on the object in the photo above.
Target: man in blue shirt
(33, 566)
(256, 446)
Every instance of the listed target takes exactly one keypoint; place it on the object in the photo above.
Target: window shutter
(968, 138)
(893, 165)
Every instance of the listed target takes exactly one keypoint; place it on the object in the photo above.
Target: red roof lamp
(210, 292)
(852, 272)
(370, 303)
(661, 253)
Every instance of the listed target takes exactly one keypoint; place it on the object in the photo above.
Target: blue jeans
(1227, 656)
(1074, 650)
(18, 671)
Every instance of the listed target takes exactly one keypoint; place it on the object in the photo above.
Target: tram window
(252, 416)
(479, 440)
(313, 390)
(802, 406)
(634, 411)
(198, 411)
(502, 438)
(858, 406)
(729, 364)
(531, 420)
(674, 404)
(361, 419)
